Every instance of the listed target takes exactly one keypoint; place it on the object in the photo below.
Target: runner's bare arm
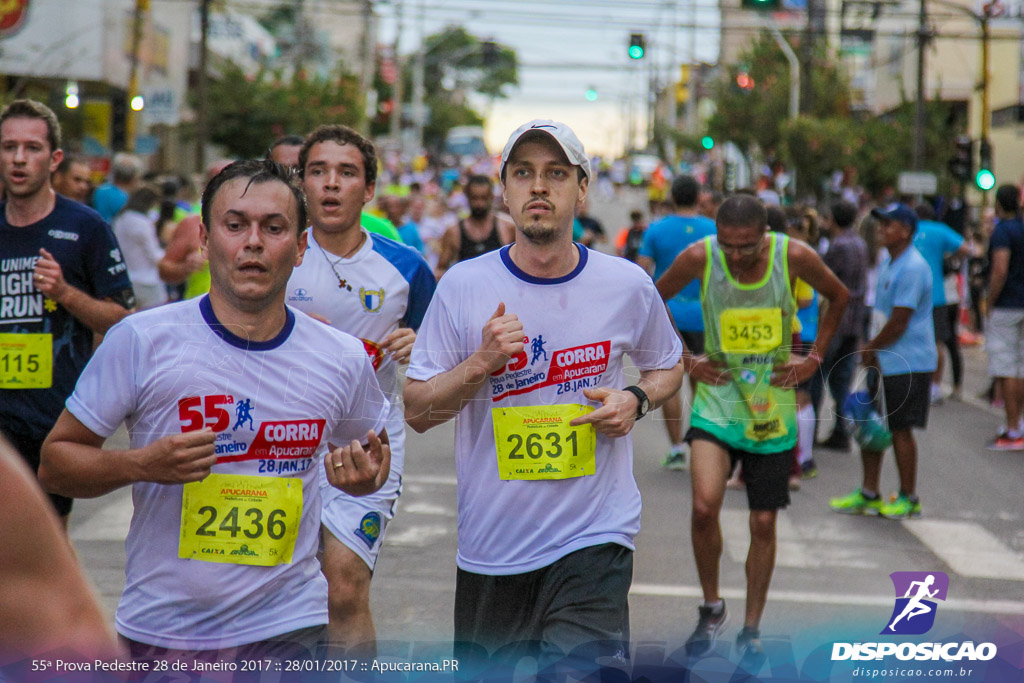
(617, 413)
(46, 604)
(450, 243)
(182, 257)
(435, 401)
(804, 263)
(74, 463)
(99, 315)
(688, 266)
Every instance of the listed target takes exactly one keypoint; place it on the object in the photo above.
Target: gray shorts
(1004, 342)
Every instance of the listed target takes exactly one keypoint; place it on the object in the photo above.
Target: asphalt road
(832, 571)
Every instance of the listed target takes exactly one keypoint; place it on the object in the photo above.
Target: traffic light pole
(985, 106)
(917, 160)
(794, 68)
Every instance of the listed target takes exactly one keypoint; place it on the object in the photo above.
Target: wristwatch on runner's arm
(643, 403)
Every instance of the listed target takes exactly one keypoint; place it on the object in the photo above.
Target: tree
(247, 113)
(456, 64)
(753, 101)
(825, 138)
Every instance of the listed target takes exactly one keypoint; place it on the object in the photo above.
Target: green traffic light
(591, 95)
(985, 180)
(636, 52)
(707, 142)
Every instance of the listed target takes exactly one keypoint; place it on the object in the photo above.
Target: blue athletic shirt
(87, 251)
(663, 241)
(906, 283)
(1009, 234)
(934, 240)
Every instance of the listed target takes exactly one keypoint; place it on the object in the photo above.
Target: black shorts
(576, 606)
(30, 449)
(693, 341)
(907, 398)
(940, 319)
(766, 475)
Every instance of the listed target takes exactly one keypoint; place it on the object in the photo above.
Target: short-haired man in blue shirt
(663, 241)
(1005, 338)
(935, 241)
(902, 347)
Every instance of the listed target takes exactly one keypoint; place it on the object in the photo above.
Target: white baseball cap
(561, 134)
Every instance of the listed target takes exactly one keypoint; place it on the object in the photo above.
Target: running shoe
(709, 625)
(901, 508)
(856, 504)
(1005, 442)
(809, 469)
(794, 482)
(748, 642)
(676, 460)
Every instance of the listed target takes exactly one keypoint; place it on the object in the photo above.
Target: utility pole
(986, 113)
(671, 123)
(204, 49)
(368, 64)
(917, 160)
(794, 69)
(396, 110)
(138, 21)
(418, 88)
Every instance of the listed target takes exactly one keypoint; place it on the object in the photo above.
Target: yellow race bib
(536, 442)
(239, 519)
(26, 361)
(750, 330)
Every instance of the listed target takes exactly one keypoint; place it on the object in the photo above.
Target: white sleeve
(108, 388)
(151, 244)
(658, 346)
(438, 348)
(363, 405)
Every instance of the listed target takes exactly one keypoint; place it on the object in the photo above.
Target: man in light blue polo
(902, 347)
(663, 241)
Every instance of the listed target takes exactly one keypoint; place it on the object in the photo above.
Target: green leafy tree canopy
(247, 113)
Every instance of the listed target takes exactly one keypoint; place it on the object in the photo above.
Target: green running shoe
(856, 504)
(901, 508)
(675, 461)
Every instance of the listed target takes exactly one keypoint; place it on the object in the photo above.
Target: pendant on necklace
(343, 284)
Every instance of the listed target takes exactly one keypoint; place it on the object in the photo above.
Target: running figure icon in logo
(919, 590)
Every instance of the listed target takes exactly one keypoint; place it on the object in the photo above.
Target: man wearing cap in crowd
(902, 347)
(525, 346)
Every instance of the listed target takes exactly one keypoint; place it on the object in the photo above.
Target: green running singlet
(748, 328)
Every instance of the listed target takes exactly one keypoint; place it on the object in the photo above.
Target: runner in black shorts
(766, 475)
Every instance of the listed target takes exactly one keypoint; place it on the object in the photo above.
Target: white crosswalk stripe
(968, 548)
